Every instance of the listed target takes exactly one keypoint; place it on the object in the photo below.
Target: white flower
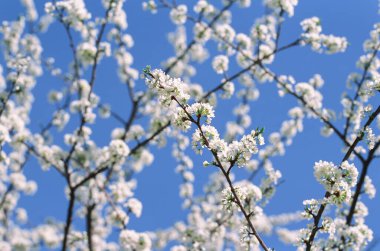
(150, 5)
(369, 188)
(245, 234)
(326, 173)
(121, 191)
(312, 25)
(311, 96)
(286, 5)
(252, 140)
(370, 137)
(374, 85)
(228, 199)
(131, 240)
(181, 120)
(244, 3)
(60, 119)
(228, 90)
(178, 248)
(337, 181)
(328, 226)
(4, 134)
(55, 96)
(181, 117)
(201, 32)
(118, 148)
(178, 14)
(118, 217)
(203, 6)
(21, 215)
(220, 64)
(49, 235)
(349, 173)
(186, 190)
(135, 206)
(105, 111)
(211, 135)
(202, 110)
(321, 42)
(86, 53)
(251, 192)
(311, 208)
(167, 87)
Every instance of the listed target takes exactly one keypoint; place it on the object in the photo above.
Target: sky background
(158, 184)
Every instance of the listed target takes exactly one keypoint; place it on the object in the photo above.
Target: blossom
(118, 148)
(228, 198)
(244, 3)
(320, 42)
(210, 134)
(131, 240)
(201, 32)
(228, 90)
(202, 110)
(374, 85)
(311, 208)
(150, 5)
(349, 173)
(135, 206)
(61, 118)
(286, 5)
(86, 53)
(369, 188)
(178, 14)
(328, 226)
(167, 87)
(370, 138)
(312, 97)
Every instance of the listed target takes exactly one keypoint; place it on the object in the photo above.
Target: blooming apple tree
(168, 109)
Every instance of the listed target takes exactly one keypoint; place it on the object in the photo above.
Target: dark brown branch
(82, 123)
(69, 218)
(9, 95)
(89, 226)
(360, 184)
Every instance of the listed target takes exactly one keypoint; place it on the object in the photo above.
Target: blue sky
(158, 184)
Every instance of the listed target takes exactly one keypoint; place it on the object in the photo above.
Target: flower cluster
(284, 5)
(370, 138)
(131, 240)
(247, 193)
(238, 152)
(178, 14)
(75, 12)
(166, 87)
(320, 42)
(336, 180)
(198, 110)
(220, 64)
(87, 102)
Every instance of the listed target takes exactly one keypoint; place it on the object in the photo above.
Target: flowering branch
(317, 218)
(156, 80)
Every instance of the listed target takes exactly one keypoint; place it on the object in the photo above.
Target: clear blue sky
(158, 184)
